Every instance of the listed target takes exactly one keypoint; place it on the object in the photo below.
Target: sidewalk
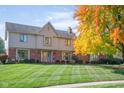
(84, 84)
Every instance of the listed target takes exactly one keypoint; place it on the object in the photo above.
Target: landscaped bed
(39, 75)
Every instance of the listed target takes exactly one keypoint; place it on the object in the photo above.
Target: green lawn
(37, 75)
(113, 85)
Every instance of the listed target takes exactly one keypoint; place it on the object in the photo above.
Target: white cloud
(62, 20)
(60, 15)
(64, 8)
(64, 24)
(37, 20)
(49, 18)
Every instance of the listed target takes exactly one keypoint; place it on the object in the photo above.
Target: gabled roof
(20, 28)
(64, 34)
(49, 24)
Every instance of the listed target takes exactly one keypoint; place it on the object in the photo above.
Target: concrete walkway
(84, 84)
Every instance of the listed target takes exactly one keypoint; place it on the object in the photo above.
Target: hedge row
(4, 59)
(108, 61)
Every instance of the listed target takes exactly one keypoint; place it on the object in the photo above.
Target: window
(47, 41)
(22, 54)
(68, 42)
(23, 38)
(66, 56)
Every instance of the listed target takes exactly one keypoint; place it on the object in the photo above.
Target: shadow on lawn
(117, 71)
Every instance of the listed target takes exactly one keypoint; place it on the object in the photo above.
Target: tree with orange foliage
(101, 29)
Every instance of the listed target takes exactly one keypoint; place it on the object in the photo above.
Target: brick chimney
(69, 30)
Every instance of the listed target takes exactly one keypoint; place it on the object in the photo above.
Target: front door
(49, 57)
(46, 56)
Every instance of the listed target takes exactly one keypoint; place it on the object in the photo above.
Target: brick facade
(85, 58)
(102, 56)
(12, 53)
(57, 55)
(35, 54)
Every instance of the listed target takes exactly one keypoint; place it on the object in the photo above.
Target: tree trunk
(123, 53)
(123, 56)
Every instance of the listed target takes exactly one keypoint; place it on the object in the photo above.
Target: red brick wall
(35, 54)
(12, 53)
(57, 55)
(85, 58)
(102, 56)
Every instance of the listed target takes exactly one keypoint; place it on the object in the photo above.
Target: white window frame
(50, 41)
(68, 42)
(23, 37)
(23, 49)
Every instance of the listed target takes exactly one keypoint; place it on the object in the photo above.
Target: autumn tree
(101, 29)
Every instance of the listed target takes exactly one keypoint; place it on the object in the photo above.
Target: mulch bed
(118, 67)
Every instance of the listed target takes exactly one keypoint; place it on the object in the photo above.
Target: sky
(61, 16)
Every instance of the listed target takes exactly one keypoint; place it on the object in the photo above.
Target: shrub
(72, 62)
(3, 58)
(10, 61)
(67, 62)
(103, 61)
(38, 61)
(111, 61)
(63, 62)
(87, 62)
(32, 61)
(115, 61)
(79, 62)
(57, 62)
(93, 62)
(26, 61)
(75, 58)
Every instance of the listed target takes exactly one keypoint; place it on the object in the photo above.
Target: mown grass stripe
(38, 75)
(91, 73)
(30, 79)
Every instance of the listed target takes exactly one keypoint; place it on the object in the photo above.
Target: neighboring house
(46, 43)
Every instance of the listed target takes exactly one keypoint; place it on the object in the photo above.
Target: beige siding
(60, 44)
(14, 41)
(38, 41)
(47, 31)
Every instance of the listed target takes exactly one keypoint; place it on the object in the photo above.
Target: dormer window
(47, 41)
(23, 38)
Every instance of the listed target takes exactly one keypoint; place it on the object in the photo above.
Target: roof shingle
(20, 28)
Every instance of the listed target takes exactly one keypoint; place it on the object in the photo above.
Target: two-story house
(46, 43)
